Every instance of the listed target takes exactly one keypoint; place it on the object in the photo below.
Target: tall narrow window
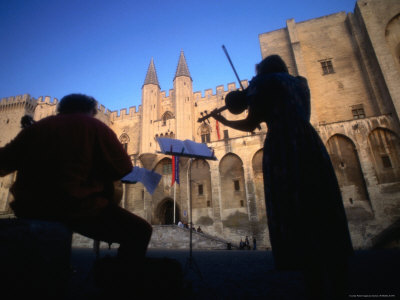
(236, 185)
(226, 134)
(200, 189)
(327, 67)
(124, 139)
(167, 168)
(205, 138)
(386, 161)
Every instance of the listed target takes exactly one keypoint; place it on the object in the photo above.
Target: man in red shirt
(66, 168)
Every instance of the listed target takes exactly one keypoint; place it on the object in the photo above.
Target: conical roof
(151, 76)
(182, 69)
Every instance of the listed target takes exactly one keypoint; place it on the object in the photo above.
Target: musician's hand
(217, 115)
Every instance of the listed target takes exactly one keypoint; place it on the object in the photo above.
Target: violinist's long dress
(306, 217)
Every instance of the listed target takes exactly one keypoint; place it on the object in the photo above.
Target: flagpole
(174, 202)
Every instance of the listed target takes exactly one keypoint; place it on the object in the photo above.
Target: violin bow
(234, 70)
(205, 116)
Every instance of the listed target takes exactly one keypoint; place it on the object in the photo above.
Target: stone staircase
(168, 237)
(174, 237)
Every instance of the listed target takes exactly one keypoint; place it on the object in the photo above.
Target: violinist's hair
(77, 103)
(272, 64)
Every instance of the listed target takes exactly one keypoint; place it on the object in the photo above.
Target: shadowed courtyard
(236, 274)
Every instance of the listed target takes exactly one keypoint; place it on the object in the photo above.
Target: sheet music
(185, 148)
(149, 179)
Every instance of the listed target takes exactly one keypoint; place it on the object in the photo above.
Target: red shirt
(66, 166)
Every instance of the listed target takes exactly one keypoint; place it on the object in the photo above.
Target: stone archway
(232, 182)
(256, 163)
(346, 163)
(165, 212)
(384, 147)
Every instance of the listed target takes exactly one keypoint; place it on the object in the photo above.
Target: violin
(234, 101)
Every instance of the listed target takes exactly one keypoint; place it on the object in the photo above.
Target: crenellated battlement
(165, 96)
(219, 90)
(208, 93)
(124, 113)
(25, 102)
(47, 100)
(26, 98)
(101, 108)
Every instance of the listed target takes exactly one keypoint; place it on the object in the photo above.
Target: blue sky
(103, 48)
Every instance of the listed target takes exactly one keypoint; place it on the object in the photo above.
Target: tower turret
(150, 109)
(183, 98)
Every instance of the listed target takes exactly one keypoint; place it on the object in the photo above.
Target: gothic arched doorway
(165, 212)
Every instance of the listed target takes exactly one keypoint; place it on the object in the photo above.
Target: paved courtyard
(236, 274)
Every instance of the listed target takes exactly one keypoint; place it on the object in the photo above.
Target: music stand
(187, 148)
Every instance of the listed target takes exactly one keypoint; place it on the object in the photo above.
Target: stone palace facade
(352, 63)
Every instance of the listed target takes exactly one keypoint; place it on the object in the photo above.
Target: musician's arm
(249, 124)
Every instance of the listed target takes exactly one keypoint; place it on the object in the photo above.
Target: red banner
(217, 128)
(175, 170)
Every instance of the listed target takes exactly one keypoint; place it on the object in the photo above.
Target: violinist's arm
(249, 124)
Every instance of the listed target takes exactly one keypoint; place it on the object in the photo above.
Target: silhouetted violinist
(307, 222)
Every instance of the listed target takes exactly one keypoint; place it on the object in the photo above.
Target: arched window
(124, 139)
(204, 131)
(166, 116)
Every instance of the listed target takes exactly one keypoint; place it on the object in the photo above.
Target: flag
(175, 170)
(217, 128)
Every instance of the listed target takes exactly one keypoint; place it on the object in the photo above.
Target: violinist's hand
(217, 115)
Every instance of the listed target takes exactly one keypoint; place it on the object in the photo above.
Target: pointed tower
(183, 98)
(150, 109)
